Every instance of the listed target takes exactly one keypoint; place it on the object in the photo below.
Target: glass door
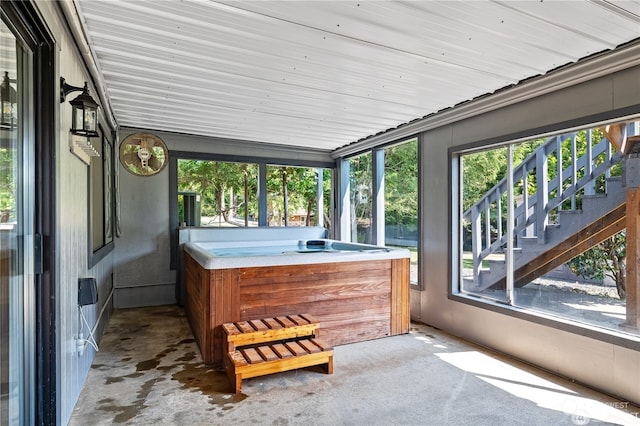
(16, 233)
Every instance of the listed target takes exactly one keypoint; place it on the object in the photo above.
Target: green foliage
(220, 185)
(7, 184)
(401, 184)
(300, 194)
(481, 171)
(607, 259)
(361, 187)
(401, 189)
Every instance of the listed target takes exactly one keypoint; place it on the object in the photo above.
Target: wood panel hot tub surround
(353, 301)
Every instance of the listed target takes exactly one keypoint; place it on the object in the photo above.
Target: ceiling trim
(81, 39)
(595, 66)
(237, 148)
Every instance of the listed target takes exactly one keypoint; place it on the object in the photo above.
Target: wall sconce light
(85, 110)
(8, 100)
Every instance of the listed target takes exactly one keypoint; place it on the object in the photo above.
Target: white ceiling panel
(323, 74)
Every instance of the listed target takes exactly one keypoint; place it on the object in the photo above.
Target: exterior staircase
(567, 214)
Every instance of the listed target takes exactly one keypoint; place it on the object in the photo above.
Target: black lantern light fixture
(8, 100)
(85, 110)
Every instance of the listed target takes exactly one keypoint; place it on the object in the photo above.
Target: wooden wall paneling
(400, 292)
(216, 314)
(353, 301)
(197, 303)
(225, 307)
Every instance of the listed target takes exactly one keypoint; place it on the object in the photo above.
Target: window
(541, 226)
(383, 198)
(360, 197)
(226, 193)
(217, 193)
(101, 199)
(401, 199)
(17, 195)
(296, 196)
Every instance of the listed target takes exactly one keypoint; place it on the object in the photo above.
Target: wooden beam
(598, 231)
(633, 257)
(616, 133)
(631, 143)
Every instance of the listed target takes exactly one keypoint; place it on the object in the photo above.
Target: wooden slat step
(245, 327)
(252, 356)
(278, 351)
(321, 344)
(267, 353)
(309, 346)
(281, 350)
(272, 323)
(259, 325)
(268, 324)
(295, 348)
(286, 322)
(252, 332)
(231, 329)
(236, 371)
(272, 345)
(298, 320)
(237, 359)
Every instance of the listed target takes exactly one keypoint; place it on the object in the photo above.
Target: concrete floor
(149, 372)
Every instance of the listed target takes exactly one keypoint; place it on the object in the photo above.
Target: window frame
(101, 193)
(455, 237)
(377, 195)
(262, 163)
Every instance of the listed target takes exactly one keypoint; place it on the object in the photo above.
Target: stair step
(569, 212)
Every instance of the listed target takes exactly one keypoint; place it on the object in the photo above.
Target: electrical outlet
(80, 344)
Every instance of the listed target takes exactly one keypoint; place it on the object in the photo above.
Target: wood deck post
(633, 257)
(629, 146)
(631, 180)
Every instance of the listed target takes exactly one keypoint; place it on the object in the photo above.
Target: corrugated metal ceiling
(323, 74)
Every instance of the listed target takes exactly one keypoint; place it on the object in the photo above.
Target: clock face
(143, 154)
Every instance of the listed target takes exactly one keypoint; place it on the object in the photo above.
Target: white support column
(378, 197)
(510, 227)
(263, 220)
(344, 201)
(320, 197)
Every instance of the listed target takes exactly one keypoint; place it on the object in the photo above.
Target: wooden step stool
(272, 345)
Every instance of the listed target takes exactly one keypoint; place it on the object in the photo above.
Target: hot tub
(230, 254)
(357, 291)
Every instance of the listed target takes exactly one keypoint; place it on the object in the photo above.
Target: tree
(7, 184)
(360, 177)
(293, 189)
(401, 184)
(303, 185)
(607, 259)
(218, 183)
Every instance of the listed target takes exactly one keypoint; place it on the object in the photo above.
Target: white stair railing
(533, 212)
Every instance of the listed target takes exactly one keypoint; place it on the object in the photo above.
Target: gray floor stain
(149, 372)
